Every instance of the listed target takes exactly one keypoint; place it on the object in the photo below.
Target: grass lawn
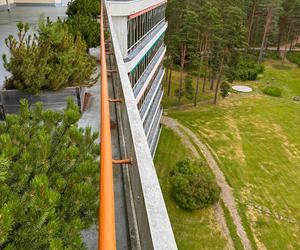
(171, 101)
(193, 230)
(256, 140)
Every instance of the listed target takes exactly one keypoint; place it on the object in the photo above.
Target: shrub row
(248, 70)
(294, 57)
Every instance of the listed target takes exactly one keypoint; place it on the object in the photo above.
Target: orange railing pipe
(107, 235)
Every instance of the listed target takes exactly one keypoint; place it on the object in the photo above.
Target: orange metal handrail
(107, 235)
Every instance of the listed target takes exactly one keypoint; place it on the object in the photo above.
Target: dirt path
(226, 193)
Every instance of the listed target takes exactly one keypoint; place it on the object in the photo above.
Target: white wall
(127, 8)
(120, 26)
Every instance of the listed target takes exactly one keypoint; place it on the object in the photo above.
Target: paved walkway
(226, 192)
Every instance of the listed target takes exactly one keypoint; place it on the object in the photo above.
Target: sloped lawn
(256, 140)
(193, 230)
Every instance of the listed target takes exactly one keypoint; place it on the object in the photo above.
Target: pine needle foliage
(84, 7)
(86, 27)
(50, 60)
(48, 179)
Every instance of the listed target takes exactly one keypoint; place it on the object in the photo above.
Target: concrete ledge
(37, 4)
(10, 99)
(4, 7)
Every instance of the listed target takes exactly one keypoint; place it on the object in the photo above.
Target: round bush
(272, 91)
(249, 70)
(224, 88)
(193, 185)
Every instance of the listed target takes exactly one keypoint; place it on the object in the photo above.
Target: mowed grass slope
(256, 140)
(193, 230)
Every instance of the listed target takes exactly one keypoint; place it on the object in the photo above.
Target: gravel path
(226, 192)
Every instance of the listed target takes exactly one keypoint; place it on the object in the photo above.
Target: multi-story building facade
(140, 27)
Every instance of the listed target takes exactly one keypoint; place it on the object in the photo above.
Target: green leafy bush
(87, 27)
(224, 88)
(272, 91)
(248, 70)
(48, 179)
(188, 86)
(84, 7)
(51, 60)
(294, 57)
(193, 185)
(275, 55)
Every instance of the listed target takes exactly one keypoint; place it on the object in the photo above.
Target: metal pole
(107, 234)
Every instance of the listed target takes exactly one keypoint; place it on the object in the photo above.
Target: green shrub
(272, 91)
(84, 7)
(224, 88)
(275, 55)
(87, 27)
(294, 57)
(248, 70)
(193, 185)
(51, 60)
(49, 176)
(188, 86)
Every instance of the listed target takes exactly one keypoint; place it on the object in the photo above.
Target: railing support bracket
(118, 100)
(121, 162)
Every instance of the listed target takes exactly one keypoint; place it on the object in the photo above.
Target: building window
(142, 100)
(138, 70)
(140, 26)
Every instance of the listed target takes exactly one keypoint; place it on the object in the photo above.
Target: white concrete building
(140, 27)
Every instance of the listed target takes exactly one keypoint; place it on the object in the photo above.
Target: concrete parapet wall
(12, 3)
(154, 228)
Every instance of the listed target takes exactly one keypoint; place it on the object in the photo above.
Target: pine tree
(84, 7)
(51, 60)
(48, 179)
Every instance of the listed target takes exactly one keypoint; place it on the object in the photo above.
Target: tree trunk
(254, 40)
(251, 23)
(170, 78)
(200, 66)
(266, 31)
(205, 79)
(212, 81)
(219, 78)
(180, 87)
(183, 55)
(197, 85)
(166, 74)
(281, 31)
